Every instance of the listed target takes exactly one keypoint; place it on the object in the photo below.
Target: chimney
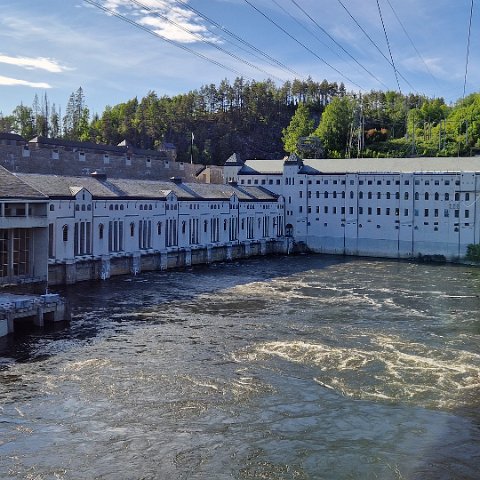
(102, 176)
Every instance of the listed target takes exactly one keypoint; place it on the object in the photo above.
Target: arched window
(427, 196)
(369, 195)
(447, 197)
(325, 194)
(184, 226)
(141, 207)
(343, 194)
(351, 195)
(100, 231)
(132, 229)
(121, 207)
(360, 195)
(225, 225)
(388, 195)
(110, 207)
(397, 195)
(65, 233)
(405, 196)
(149, 207)
(417, 196)
(205, 226)
(379, 195)
(437, 196)
(159, 228)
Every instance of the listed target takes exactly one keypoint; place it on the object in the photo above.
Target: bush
(473, 252)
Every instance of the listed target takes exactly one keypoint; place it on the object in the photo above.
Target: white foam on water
(387, 369)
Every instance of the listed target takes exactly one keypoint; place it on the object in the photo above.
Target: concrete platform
(33, 309)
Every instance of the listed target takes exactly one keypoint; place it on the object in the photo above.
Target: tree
(335, 125)
(300, 126)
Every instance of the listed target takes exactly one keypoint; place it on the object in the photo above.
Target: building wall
(403, 215)
(33, 158)
(130, 236)
(23, 245)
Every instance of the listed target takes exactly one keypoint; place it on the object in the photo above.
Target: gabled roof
(234, 160)
(13, 187)
(394, 165)
(56, 186)
(269, 167)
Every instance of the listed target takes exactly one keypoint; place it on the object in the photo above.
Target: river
(306, 367)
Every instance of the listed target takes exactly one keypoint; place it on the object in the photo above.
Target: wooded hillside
(261, 120)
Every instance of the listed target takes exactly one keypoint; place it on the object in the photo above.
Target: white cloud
(32, 63)
(163, 17)
(8, 81)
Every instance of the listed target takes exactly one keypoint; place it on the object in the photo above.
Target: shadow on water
(92, 303)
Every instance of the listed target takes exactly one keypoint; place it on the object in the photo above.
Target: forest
(258, 119)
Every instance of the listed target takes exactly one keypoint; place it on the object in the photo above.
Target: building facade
(402, 208)
(23, 235)
(98, 227)
(65, 157)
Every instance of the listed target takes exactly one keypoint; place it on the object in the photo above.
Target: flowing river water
(307, 367)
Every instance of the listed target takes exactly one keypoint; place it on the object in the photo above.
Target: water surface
(287, 368)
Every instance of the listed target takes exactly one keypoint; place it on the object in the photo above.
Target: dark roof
(15, 188)
(55, 186)
(122, 148)
(11, 136)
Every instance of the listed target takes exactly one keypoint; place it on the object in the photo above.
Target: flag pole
(191, 148)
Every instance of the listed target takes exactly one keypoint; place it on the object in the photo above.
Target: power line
(336, 43)
(302, 44)
(172, 42)
(200, 38)
(374, 43)
(411, 41)
(238, 38)
(388, 45)
(468, 49)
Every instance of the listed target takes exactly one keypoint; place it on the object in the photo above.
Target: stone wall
(32, 158)
(70, 273)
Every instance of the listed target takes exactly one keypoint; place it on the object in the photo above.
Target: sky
(171, 47)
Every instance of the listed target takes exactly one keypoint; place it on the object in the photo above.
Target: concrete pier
(34, 309)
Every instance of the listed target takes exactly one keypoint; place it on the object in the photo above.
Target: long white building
(98, 227)
(388, 207)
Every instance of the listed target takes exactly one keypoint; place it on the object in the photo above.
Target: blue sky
(55, 46)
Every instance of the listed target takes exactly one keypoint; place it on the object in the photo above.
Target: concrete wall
(91, 269)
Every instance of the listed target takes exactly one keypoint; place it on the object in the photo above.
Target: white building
(398, 207)
(23, 235)
(99, 227)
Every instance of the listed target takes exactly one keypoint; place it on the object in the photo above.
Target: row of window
(377, 182)
(388, 211)
(82, 232)
(378, 195)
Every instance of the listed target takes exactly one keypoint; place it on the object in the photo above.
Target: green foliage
(473, 252)
(261, 120)
(335, 124)
(301, 125)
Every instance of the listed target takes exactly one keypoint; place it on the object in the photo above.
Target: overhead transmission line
(200, 38)
(374, 43)
(155, 34)
(335, 42)
(238, 38)
(302, 44)
(411, 41)
(468, 48)
(388, 45)
(304, 27)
